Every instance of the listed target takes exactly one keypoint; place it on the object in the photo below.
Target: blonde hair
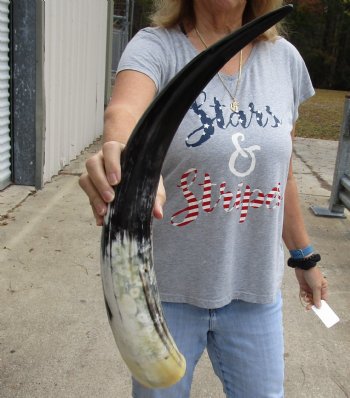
(169, 13)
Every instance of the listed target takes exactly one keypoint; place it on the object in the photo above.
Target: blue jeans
(244, 342)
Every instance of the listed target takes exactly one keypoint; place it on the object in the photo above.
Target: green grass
(322, 115)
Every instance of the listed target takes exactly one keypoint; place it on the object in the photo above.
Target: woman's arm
(133, 92)
(313, 285)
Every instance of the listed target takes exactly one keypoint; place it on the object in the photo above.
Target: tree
(320, 29)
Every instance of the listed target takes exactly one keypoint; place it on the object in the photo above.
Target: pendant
(234, 105)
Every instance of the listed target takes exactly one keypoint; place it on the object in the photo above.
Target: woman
(231, 195)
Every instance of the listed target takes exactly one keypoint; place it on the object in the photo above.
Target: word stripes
(241, 200)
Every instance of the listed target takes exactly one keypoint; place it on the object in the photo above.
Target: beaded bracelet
(304, 263)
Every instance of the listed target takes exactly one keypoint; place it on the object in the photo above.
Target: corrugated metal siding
(75, 57)
(5, 142)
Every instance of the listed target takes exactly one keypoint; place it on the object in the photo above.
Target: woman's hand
(313, 286)
(103, 172)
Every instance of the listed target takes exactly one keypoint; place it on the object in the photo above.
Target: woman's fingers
(111, 151)
(318, 284)
(316, 296)
(160, 200)
(99, 206)
(98, 218)
(103, 171)
(97, 176)
(96, 185)
(313, 286)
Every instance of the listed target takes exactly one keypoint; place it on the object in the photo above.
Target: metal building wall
(26, 92)
(5, 146)
(74, 75)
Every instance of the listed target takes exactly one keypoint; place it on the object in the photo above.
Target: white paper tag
(326, 314)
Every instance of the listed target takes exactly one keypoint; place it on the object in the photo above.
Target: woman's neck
(214, 20)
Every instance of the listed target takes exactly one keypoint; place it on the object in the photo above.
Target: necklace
(234, 104)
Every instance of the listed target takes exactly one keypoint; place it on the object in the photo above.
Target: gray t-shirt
(225, 173)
